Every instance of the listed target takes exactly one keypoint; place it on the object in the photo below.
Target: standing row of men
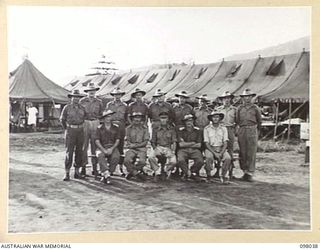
(179, 133)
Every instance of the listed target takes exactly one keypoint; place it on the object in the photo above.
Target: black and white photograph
(158, 118)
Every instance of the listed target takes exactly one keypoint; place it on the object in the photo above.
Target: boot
(77, 174)
(83, 171)
(67, 177)
(94, 170)
(121, 170)
(106, 178)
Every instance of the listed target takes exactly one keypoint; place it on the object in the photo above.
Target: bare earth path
(41, 202)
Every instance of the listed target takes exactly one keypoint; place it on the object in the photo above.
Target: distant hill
(291, 47)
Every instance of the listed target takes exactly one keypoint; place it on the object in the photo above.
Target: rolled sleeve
(225, 134)
(206, 135)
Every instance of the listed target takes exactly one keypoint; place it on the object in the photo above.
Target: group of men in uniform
(177, 133)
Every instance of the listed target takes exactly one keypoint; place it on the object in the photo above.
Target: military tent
(27, 83)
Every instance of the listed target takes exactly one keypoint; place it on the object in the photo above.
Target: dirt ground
(41, 202)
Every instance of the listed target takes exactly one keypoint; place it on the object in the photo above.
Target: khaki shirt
(201, 114)
(248, 115)
(194, 135)
(93, 108)
(120, 108)
(73, 114)
(107, 137)
(164, 136)
(215, 136)
(137, 134)
(155, 109)
(229, 115)
(180, 111)
(138, 107)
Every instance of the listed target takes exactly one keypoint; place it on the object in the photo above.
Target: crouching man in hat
(189, 139)
(163, 142)
(248, 119)
(216, 140)
(107, 139)
(72, 119)
(137, 137)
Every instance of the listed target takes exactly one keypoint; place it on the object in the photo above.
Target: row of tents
(280, 81)
(279, 78)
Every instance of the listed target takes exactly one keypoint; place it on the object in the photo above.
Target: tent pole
(276, 125)
(25, 115)
(289, 125)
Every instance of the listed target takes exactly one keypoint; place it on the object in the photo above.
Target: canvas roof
(296, 86)
(29, 84)
(272, 78)
(174, 77)
(149, 87)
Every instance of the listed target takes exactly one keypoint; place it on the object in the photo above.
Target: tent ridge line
(40, 87)
(214, 75)
(287, 78)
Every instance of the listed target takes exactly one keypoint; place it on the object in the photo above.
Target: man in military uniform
(189, 140)
(182, 108)
(248, 118)
(93, 111)
(138, 105)
(202, 111)
(229, 121)
(119, 118)
(216, 140)
(158, 106)
(72, 119)
(107, 139)
(163, 142)
(137, 137)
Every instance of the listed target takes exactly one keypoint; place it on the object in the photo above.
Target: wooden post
(289, 125)
(277, 118)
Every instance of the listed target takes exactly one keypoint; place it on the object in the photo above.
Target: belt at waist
(75, 126)
(93, 119)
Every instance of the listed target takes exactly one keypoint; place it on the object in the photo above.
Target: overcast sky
(64, 42)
